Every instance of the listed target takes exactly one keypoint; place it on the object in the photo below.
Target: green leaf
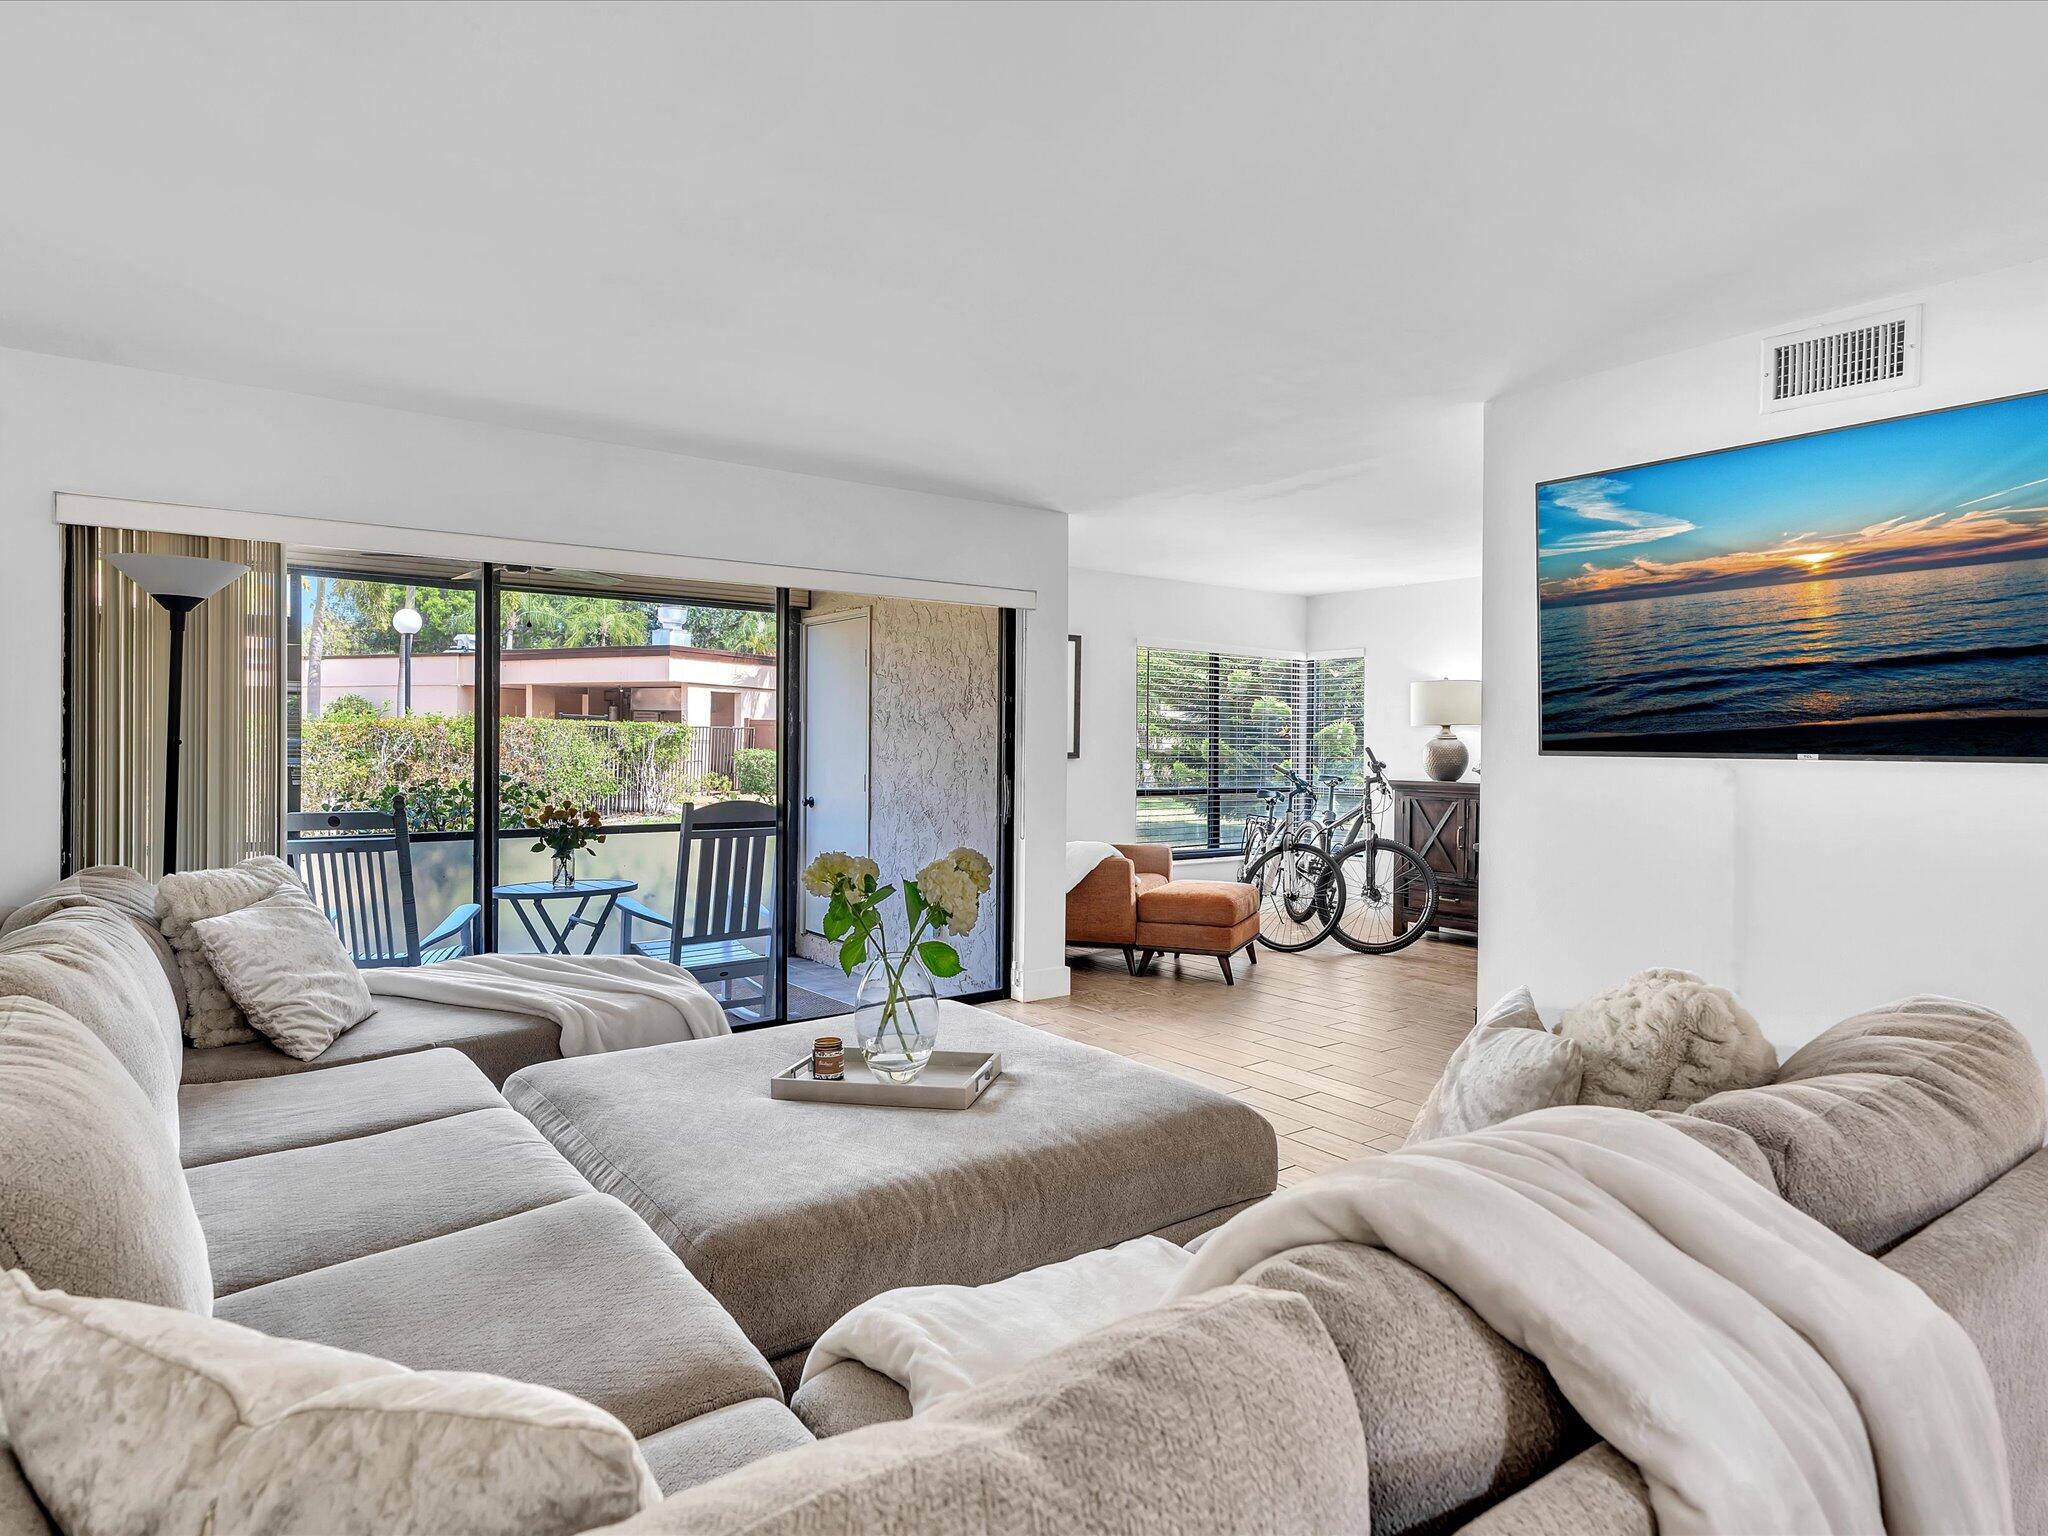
(838, 917)
(882, 895)
(939, 957)
(538, 848)
(852, 952)
(913, 902)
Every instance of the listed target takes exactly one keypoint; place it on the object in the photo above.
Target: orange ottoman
(1198, 917)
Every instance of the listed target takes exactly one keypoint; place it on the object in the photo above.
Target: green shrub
(351, 706)
(351, 761)
(753, 771)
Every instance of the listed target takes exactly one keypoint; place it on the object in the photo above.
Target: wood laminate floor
(1335, 1049)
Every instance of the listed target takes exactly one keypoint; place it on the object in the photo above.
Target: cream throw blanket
(601, 1002)
(1082, 859)
(1762, 1373)
(942, 1339)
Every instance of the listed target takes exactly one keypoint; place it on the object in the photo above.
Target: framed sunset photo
(1871, 591)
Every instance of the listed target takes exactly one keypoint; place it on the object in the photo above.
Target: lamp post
(179, 583)
(407, 622)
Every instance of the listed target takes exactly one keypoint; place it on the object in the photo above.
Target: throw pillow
(1508, 1065)
(140, 1420)
(92, 1199)
(87, 960)
(211, 1017)
(1665, 1039)
(282, 963)
(113, 885)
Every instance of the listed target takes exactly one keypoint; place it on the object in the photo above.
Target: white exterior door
(835, 742)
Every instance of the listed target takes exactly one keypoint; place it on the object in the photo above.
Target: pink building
(614, 682)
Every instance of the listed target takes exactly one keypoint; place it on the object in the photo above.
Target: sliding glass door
(708, 741)
(380, 702)
(644, 718)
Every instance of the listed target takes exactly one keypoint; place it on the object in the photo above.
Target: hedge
(358, 763)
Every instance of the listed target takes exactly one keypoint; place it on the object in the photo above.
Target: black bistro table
(531, 900)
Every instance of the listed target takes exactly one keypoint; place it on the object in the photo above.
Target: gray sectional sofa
(397, 1206)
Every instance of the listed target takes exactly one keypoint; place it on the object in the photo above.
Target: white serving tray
(950, 1080)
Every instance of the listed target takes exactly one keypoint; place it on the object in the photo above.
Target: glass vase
(565, 871)
(896, 1017)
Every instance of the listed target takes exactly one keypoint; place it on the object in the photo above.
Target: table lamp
(1444, 702)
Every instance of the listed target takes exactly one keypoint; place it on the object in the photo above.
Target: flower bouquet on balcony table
(896, 1009)
(565, 830)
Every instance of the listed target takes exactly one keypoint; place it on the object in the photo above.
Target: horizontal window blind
(1215, 727)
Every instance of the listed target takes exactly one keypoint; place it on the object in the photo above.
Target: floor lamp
(179, 583)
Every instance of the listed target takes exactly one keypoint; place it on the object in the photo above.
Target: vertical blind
(117, 658)
(1215, 728)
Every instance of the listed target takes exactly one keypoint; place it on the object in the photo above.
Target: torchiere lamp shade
(179, 583)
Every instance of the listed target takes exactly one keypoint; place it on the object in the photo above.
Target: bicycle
(1389, 892)
(1269, 826)
(1300, 889)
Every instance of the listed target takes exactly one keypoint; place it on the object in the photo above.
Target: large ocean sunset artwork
(1875, 591)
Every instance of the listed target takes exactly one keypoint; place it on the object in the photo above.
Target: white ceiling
(1226, 282)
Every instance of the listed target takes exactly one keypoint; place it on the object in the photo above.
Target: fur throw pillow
(1508, 1065)
(1665, 1039)
(211, 1017)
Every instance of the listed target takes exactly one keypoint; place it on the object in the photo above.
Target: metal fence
(653, 779)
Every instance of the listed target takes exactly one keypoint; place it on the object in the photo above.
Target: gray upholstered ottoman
(791, 1213)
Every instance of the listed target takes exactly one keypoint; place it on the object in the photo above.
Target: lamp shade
(186, 577)
(407, 621)
(1444, 701)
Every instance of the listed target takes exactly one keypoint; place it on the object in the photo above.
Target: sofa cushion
(1225, 1412)
(284, 1213)
(499, 1043)
(211, 1016)
(302, 1109)
(721, 1441)
(577, 1295)
(1455, 1416)
(137, 1418)
(21, 1513)
(1895, 1116)
(1198, 903)
(92, 1200)
(127, 892)
(849, 1396)
(1508, 1065)
(88, 961)
(282, 962)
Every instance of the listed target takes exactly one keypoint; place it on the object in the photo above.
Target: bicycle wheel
(1301, 896)
(1389, 896)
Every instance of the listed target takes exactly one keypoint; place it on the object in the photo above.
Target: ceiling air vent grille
(1831, 362)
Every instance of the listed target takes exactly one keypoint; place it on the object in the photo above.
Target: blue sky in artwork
(1927, 477)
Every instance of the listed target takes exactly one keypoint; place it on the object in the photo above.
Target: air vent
(1865, 356)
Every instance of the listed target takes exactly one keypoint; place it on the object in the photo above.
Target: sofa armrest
(1148, 858)
(1103, 908)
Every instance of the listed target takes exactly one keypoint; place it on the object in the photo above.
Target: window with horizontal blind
(1215, 728)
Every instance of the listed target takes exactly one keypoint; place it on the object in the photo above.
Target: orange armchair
(1133, 903)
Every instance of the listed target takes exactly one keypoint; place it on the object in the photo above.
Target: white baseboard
(1047, 982)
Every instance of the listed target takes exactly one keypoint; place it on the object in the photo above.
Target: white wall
(1427, 630)
(89, 427)
(1813, 889)
(1115, 614)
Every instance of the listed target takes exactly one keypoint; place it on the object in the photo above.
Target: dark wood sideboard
(1441, 822)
